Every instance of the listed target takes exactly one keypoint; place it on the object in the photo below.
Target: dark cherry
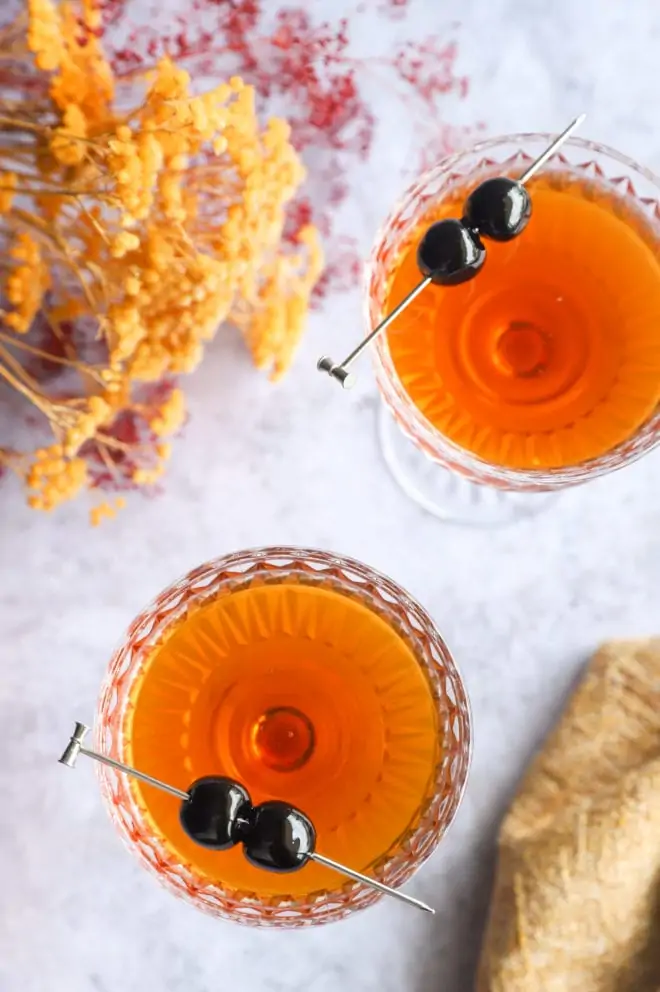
(450, 253)
(216, 812)
(279, 837)
(499, 209)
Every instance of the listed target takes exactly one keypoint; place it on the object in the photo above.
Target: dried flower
(105, 511)
(26, 284)
(130, 234)
(322, 72)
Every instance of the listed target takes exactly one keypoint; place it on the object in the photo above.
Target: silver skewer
(374, 883)
(76, 747)
(339, 372)
(551, 149)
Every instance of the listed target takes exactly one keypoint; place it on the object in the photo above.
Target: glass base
(447, 494)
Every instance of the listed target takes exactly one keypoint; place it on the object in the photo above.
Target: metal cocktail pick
(76, 747)
(340, 372)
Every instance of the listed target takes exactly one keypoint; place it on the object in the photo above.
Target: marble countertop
(522, 608)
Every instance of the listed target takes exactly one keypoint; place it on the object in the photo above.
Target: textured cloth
(576, 906)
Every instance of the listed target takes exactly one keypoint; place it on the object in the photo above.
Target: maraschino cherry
(216, 812)
(219, 814)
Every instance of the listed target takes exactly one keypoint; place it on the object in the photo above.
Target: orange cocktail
(541, 371)
(551, 355)
(309, 679)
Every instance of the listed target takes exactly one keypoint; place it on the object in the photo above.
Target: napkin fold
(576, 904)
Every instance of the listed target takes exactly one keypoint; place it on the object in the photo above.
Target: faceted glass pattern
(404, 614)
(497, 156)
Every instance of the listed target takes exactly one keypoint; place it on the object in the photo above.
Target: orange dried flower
(105, 511)
(53, 478)
(45, 35)
(169, 416)
(132, 234)
(26, 283)
(66, 144)
(8, 184)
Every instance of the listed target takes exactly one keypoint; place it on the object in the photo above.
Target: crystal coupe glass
(310, 678)
(541, 372)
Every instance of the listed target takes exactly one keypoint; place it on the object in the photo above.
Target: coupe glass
(444, 478)
(384, 732)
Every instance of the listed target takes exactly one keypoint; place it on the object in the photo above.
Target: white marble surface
(522, 608)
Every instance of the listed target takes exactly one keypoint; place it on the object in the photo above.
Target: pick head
(72, 750)
(338, 372)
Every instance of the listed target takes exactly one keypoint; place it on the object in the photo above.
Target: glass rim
(121, 675)
(411, 421)
(575, 141)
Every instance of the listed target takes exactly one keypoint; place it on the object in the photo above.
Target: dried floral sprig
(323, 71)
(130, 233)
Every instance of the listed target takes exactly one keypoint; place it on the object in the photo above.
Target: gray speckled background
(521, 608)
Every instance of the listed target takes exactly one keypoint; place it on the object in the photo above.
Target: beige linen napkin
(576, 906)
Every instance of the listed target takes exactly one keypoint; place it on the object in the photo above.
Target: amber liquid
(551, 355)
(303, 693)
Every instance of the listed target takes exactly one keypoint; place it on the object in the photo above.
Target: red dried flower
(307, 70)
